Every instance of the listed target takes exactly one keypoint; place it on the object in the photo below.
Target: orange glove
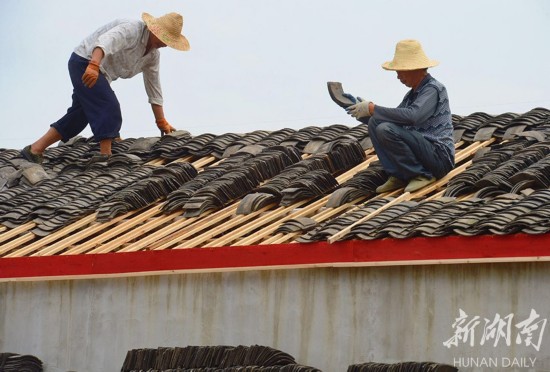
(91, 74)
(164, 126)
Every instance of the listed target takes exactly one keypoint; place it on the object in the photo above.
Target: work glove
(350, 97)
(360, 109)
(164, 126)
(91, 74)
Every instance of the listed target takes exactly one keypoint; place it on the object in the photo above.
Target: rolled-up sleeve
(118, 38)
(151, 80)
(415, 114)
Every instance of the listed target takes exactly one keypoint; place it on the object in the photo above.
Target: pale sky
(264, 64)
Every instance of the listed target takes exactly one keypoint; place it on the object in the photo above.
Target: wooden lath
(31, 248)
(278, 216)
(20, 241)
(238, 222)
(10, 234)
(131, 220)
(320, 217)
(135, 233)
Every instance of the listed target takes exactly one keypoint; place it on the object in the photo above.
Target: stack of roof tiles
(253, 358)
(10, 362)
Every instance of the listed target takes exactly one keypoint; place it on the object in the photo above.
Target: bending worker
(120, 49)
(413, 141)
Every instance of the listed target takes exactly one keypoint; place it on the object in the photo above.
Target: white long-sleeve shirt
(123, 42)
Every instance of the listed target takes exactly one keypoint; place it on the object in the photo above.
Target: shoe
(99, 158)
(27, 154)
(393, 183)
(418, 182)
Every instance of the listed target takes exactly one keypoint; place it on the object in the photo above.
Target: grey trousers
(405, 153)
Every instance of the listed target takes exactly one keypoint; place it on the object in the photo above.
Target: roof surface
(263, 188)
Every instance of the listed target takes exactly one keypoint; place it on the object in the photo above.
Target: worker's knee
(386, 132)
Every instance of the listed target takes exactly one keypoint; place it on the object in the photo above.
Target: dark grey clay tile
(484, 134)
(512, 131)
(256, 201)
(35, 174)
(336, 92)
(300, 224)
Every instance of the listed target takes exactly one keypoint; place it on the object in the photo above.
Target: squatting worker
(414, 141)
(120, 49)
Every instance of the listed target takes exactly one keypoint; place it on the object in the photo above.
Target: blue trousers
(97, 106)
(405, 153)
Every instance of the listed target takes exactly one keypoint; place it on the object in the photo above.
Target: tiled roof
(309, 185)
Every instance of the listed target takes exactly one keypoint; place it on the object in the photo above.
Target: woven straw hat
(168, 29)
(409, 55)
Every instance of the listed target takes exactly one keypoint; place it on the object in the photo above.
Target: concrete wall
(327, 317)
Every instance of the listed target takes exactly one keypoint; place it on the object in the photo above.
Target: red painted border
(451, 249)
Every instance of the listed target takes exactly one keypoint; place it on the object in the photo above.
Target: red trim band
(445, 250)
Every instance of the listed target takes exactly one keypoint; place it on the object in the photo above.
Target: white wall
(327, 318)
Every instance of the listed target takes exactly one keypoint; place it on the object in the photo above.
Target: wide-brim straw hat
(408, 56)
(168, 29)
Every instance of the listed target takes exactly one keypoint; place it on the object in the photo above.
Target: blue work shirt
(426, 110)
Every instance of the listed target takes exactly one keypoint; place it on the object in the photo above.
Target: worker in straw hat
(120, 49)
(413, 141)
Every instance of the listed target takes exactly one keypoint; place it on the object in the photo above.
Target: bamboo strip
(203, 162)
(442, 181)
(60, 234)
(16, 231)
(272, 239)
(280, 238)
(173, 237)
(329, 212)
(157, 235)
(185, 159)
(156, 162)
(346, 230)
(135, 233)
(55, 236)
(198, 227)
(470, 150)
(238, 220)
(91, 230)
(266, 218)
(111, 233)
(29, 236)
(436, 195)
(259, 235)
